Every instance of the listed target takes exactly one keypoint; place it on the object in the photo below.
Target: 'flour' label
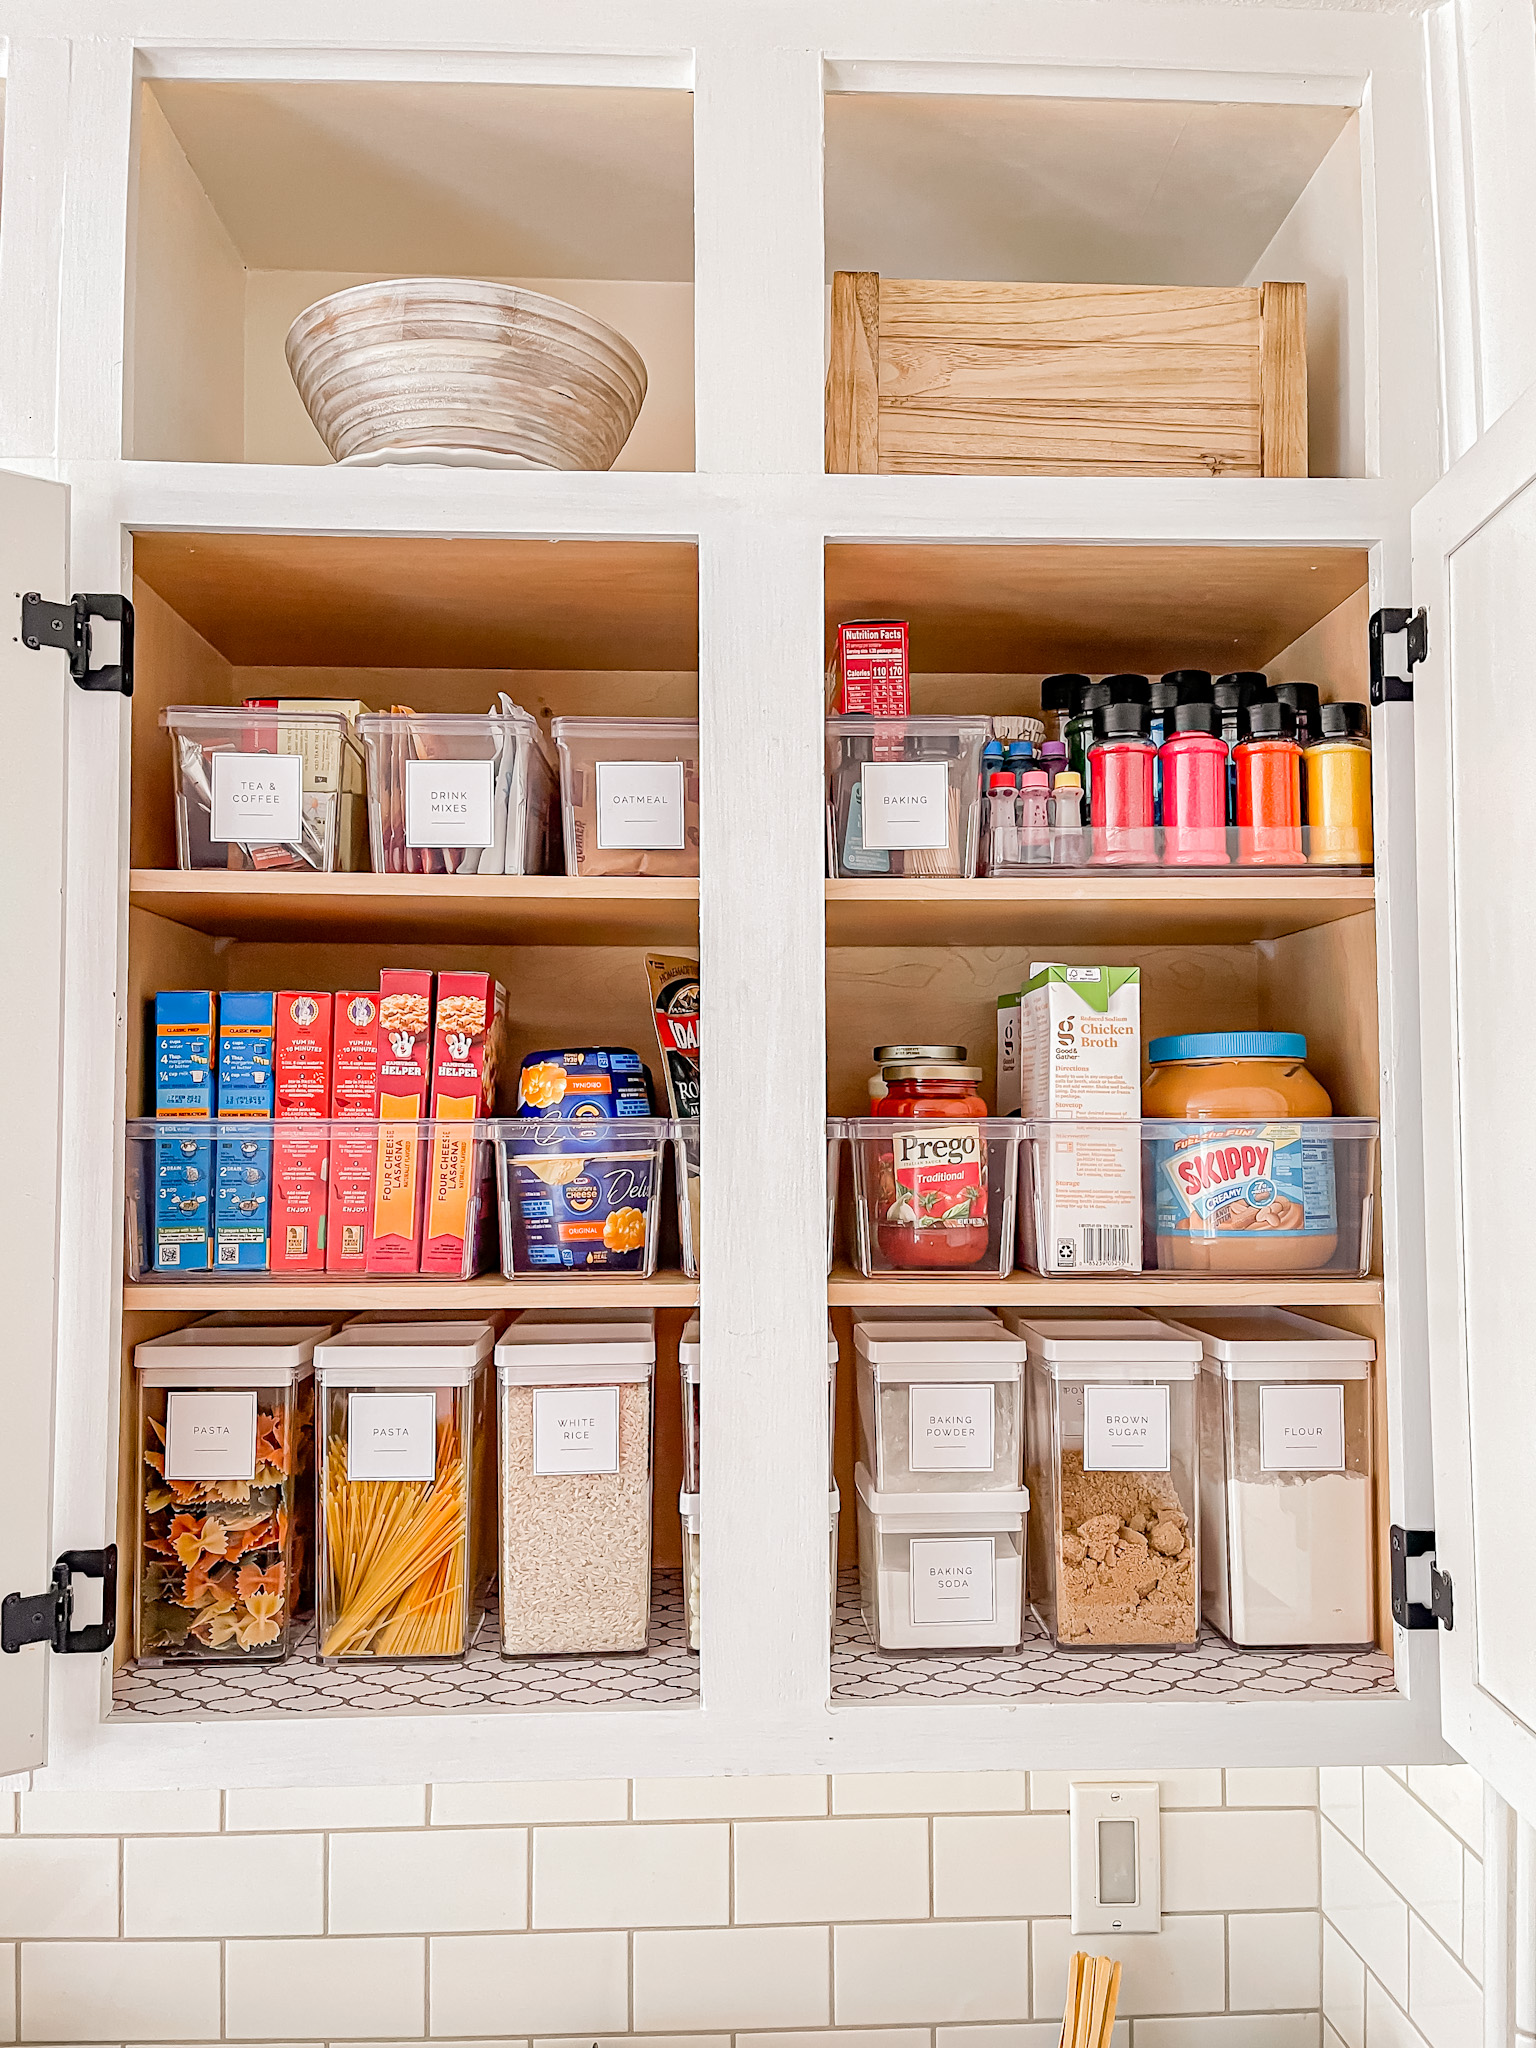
(575, 1430)
(392, 1436)
(257, 796)
(1125, 1429)
(1301, 1429)
(448, 803)
(210, 1436)
(906, 803)
(950, 1429)
(954, 1578)
(640, 804)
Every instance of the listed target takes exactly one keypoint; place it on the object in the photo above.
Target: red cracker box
(301, 1073)
(405, 1088)
(468, 1027)
(354, 1094)
(869, 670)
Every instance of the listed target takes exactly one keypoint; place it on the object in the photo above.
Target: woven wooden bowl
(416, 365)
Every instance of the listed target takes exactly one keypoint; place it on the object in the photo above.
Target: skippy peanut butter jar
(1249, 1186)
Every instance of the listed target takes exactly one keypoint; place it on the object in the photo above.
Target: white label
(949, 1429)
(1125, 1429)
(1069, 1402)
(906, 803)
(1301, 1429)
(575, 1430)
(392, 1436)
(210, 1436)
(640, 803)
(954, 1579)
(257, 796)
(448, 803)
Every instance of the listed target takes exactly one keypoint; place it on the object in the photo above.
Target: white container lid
(916, 1312)
(1004, 1510)
(544, 1348)
(228, 1356)
(1111, 1349)
(942, 1352)
(404, 1354)
(1275, 1343)
(633, 730)
(688, 1349)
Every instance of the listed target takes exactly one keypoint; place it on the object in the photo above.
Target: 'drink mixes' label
(1276, 1179)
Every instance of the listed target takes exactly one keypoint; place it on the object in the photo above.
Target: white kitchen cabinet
(168, 201)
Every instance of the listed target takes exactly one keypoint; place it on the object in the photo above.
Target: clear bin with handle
(459, 793)
(629, 795)
(260, 790)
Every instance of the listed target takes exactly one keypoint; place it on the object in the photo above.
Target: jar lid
(1195, 715)
(1266, 719)
(1190, 685)
(1128, 689)
(1241, 686)
(1088, 696)
(933, 1072)
(1344, 721)
(1056, 692)
(1000, 779)
(1228, 1045)
(912, 1055)
(1126, 719)
(1301, 697)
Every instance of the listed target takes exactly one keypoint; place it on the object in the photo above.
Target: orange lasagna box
(301, 1075)
(354, 1096)
(405, 1087)
(467, 1052)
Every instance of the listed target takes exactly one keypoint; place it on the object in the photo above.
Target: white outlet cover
(1114, 1892)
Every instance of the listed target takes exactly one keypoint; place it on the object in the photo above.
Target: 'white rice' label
(210, 1436)
(575, 1431)
(954, 1578)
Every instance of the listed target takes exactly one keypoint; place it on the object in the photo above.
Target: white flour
(1301, 1558)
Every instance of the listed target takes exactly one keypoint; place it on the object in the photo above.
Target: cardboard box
(332, 768)
(405, 1089)
(468, 1055)
(243, 1179)
(185, 1056)
(301, 1091)
(869, 675)
(354, 1097)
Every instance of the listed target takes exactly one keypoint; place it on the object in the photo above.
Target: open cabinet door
(1474, 567)
(34, 695)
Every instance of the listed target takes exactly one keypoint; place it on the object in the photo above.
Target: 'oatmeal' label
(575, 1431)
(257, 797)
(906, 803)
(1301, 1429)
(640, 804)
(1125, 1429)
(210, 1436)
(392, 1436)
(950, 1429)
(940, 1172)
(954, 1578)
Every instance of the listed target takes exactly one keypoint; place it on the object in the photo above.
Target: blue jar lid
(1228, 1045)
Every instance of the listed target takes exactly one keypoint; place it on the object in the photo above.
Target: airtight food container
(934, 1195)
(406, 1512)
(686, 1165)
(225, 1436)
(629, 795)
(579, 1195)
(688, 1514)
(576, 1448)
(259, 790)
(941, 1571)
(1113, 1469)
(903, 797)
(1287, 1523)
(688, 1360)
(940, 1406)
(458, 793)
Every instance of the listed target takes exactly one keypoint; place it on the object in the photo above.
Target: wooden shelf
(535, 910)
(848, 1289)
(1084, 910)
(432, 1297)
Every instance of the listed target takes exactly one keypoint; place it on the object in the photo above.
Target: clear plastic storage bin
(1287, 1524)
(688, 1357)
(934, 1196)
(407, 1504)
(686, 1156)
(1114, 1472)
(940, 1406)
(904, 796)
(576, 1451)
(941, 1571)
(458, 793)
(226, 1438)
(580, 1195)
(688, 1515)
(629, 795)
(259, 790)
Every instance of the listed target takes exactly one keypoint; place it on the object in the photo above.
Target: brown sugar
(1127, 1564)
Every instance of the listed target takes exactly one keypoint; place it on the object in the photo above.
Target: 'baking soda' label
(575, 1431)
(210, 1436)
(1125, 1429)
(940, 1175)
(905, 803)
(950, 1429)
(954, 1579)
(1301, 1429)
(257, 796)
(392, 1436)
(448, 803)
(1272, 1178)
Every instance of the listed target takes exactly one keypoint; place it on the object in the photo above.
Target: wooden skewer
(1098, 1998)
(1109, 2007)
(1082, 2038)
(1069, 2011)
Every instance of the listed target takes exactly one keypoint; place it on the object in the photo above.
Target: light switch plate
(1116, 1859)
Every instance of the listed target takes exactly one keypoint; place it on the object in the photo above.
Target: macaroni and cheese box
(184, 1088)
(469, 1026)
(405, 1082)
(301, 1090)
(243, 1181)
(587, 1081)
(354, 1096)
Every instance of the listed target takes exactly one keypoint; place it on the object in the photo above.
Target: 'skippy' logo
(955, 1148)
(1223, 1166)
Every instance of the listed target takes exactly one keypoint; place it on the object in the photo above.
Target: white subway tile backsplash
(985, 1866)
(1416, 1853)
(247, 1884)
(1239, 1862)
(1343, 1988)
(482, 1806)
(1386, 2025)
(846, 1869)
(119, 1813)
(839, 2037)
(62, 1887)
(731, 1977)
(1341, 1799)
(1367, 1912)
(653, 1876)
(1455, 1792)
(1282, 1785)
(943, 1972)
(1049, 1790)
(635, 2041)
(1274, 1962)
(120, 1991)
(932, 1792)
(546, 1983)
(321, 1808)
(340, 1988)
(1269, 2030)
(1444, 2003)
(1027, 2034)
(729, 1798)
(419, 1882)
(1181, 1970)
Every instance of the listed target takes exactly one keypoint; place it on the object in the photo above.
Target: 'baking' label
(1125, 1429)
(1275, 1179)
(392, 1436)
(950, 1429)
(257, 796)
(1301, 1429)
(954, 1579)
(640, 804)
(906, 803)
(448, 803)
(575, 1430)
(210, 1436)
(939, 1171)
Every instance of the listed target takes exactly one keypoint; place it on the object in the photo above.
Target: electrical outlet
(1116, 1859)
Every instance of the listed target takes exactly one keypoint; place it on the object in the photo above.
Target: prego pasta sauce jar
(933, 1182)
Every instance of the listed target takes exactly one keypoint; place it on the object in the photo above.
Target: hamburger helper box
(354, 1098)
(243, 1181)
(468, 1053)
(1069, 1054)
(185, 1025)
(405, 1090)
(301, 1093)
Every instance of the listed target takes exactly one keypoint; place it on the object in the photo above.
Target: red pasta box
(869, 669)
(405, 1087)
(354, 1095)
(301, 1076)
(468, 1027)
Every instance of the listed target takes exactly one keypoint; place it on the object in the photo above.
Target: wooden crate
(1066, 379)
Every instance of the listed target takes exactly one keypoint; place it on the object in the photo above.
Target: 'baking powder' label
(1301, 1429)
(1271, 1179)
(640, 804)
(257, 796)
(906, 803)
(392, 1436)
(954, 1579)
(1125, 1429)
(575, 1431)
(950, 1429)
(448, 803)
(210, 1436)
(939, 1177)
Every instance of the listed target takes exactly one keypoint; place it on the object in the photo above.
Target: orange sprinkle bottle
(1268, 765)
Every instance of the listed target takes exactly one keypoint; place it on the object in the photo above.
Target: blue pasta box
(242, 1216)
(184, 1089)
(584, 1082)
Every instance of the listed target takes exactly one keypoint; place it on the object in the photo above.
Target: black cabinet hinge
(1440, 1612)
(67, 624)
(1392, 619)
(49, 1617)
